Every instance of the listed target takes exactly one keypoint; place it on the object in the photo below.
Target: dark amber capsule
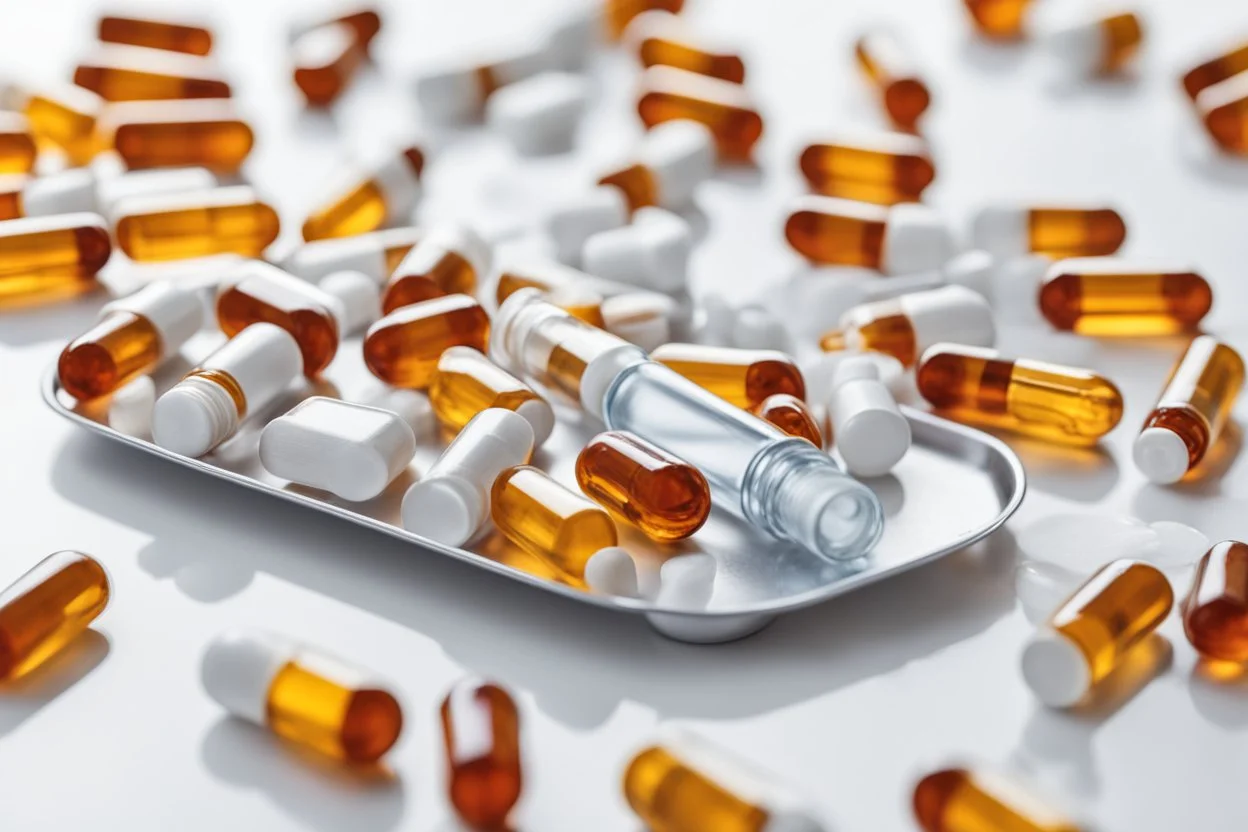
(725, 108)
(1224, 109)
(884, 168)
(1215, 70)
(964, 800)
(1215, 611)
(1109, 296)
(743, 377)
(51, 257)
(263, 293)
(664, 496)
(662, 39)
(481, 734)
(17, 144)
(619, 13)
(887, 64)
(791, 415)
(47, 608)
(196, 224)
(326, 59)
(195, 133)
(403, 348)
(450, 260)
(999, 19)
(174, 36)
(133, 73)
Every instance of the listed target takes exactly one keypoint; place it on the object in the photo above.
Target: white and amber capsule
(376, 254)
(114, 190)
(662, 38)
(205, 133)
(1215, 611)
(325, 61)
(1111, 296)
(900, 239)
(1223, 108)
(1088, 636)
(230, 220)
(725, 108)
(466, 383)
(136, 73)
(672, 159)
(887, 64)
(1012, 230)
(403, 348)
(1097, 46)
(685, 784)
(449, 260)
(977, 800)
(791, 415)
(51, 257)
(884, 168)
(539, 115)
(481, 735)
(62, 115)
(1225, 65)
(364, 20)
(458, 92)
(44, 610)
(386, 193)
(302, 695)
(743, 377)
(17, 144)
(66, 192)
(190, 37)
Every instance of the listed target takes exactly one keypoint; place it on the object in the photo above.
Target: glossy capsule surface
(886, 63)
(973, 800)
(133, 73)
(548, 520)
(999, 19)
(155, 34)
(403, 348)
(1215, 611)
(743, 377)
(116, 350)
(1075, 232)
(481, 735)
(362, 206)
(663, 40)
(725, 108)
(229, 220)
(838, 232)
(1108, 296)
(365, 22)
(196, 133)
(17, 144)
(65, 115)
(1215, 70)
(272, 296)
(791, 415)
(1224, 109)
(48, 257)
(619, 13)
(466, 383)
(326, 58)
(47, 608)
(640, 484)
(1058, 404)
(885, 169)
(545, 277)
(431, 269)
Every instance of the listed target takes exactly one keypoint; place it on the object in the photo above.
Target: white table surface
(850, 701)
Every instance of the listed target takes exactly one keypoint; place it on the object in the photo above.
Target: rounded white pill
(687, 582)
(870, 433)
(412, 406)
(130, 408)
(612, 571)
(641, 318)
(596, 210)
(652, 253)
(112, 190)
(539, 115)
(1161, 455)
(950, 313)
(450, 95)
(916, 238)
(680, 155)
(1055, 670)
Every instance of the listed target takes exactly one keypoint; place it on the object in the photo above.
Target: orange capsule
(449, 260)
(1215, 611)
(229, 220)
(999, 19)
(884, 168)
(661, 38)
(1215, 70)
(133, 73)
(17, 144)
(63, 115)
(42, 258)
(325, 60)
(1109, 296)
(403, 348)
(1224, 109)
(194, 133)
(1013, 229)
(619, 13)
(387, 192)
(791, 415)
(743, 377)
(174, 36)
(725, 108)
(886, 62)
(966, 800)
(900, 239)
(481, 734)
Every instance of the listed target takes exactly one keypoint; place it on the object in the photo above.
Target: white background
(850, 701)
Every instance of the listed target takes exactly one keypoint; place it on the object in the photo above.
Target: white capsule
(140, 183)
(915, 238)
(950, 313)
(641, 318)
(575, 35)
(1093, 45)
(451, 502)
(687, 582)
(1002, 230)
(412, 406)
(652, 252)
(360, 297)
(599, 209)
(539, 115)
(457, 93)
(65, 192)
(347, 449)
(399, 182)
(175, 312)
(1161, 455)
(243, 377)
(448, 238)
(130, 408)
(871, 434)
(757, 328)
(364, 253)
(612, 571)
(680, 155)
(282, 290)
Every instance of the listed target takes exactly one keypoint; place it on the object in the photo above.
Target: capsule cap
(653, 252)
(62, 193)
(1161, 455)
(176, 313)
(950, 313)
(612, 571)
(400, 185)
(681, 155)
(539, 115)
(1001, 230)
(1055, 670)
(359, 299)
(194, 417)
(871, 434)
(916, 239)
(687, 582)
(599, 209)
(239, 667)
(449, 95)
(447, 510)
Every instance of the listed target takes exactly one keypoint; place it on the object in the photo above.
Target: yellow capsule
(17, 144)
(42, 258)
(619, 13)
(481, 735)
(447, 261)
(175, 36)
(885, 168)
(1088, 636)
(1047, 401)
(999, 19)
(403, 348)
(1191, 412)
(47, 608)
(1215, 70)
(743, 377)
(549, 521)
(194, 133)
(1011, 230)
(791, 415)
(546, 277)
(725, 108)
(886, 62)
(326, 59)
(229, 220)
(63, 115)
(133, 73)
(661, 38)
(975, 800)
(1109, 296)
(1224, 109)
(386, 193)
(466, 383)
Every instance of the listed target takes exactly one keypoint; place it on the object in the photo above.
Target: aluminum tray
(956, 486)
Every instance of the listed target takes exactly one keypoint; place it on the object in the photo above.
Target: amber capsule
(904, 327)
(448, 260)
(1224, 109)
(1215, 611)
(386, 193)
(791, 415)
(326, 59)
(229, 220)
(549, 521)
(63, 115)
(481, 734)
(999, 19)
(133, 73)
(1191, 412)
(887, 64)
(966, 800)
(46, 257)
(664, 496)
(884, 168)
(403, 348)
(1215, 70)
(1010, 230)
(467, 383)
(1097, 45)
(661, 38)
(47, 608)
(725, 108)
(1110, 296)
(11, 187)
(899, 239)
(17, 144)
(197, 133)
(1087, 637)
(175, 36)
(619, 13)
(743, 377)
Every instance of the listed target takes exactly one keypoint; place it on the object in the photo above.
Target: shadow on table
(25, 697)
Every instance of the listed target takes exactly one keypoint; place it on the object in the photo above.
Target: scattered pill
(116, 190)
(884, 168)
(57, 256)
(1223, 107)
(130, 408)
(725, 108)
(325, 61)
(136, 73)
(1012, 230)
(376, 254)
(481, 735)
(403, 347)
(652, 252)
(193, 38)
(449, 260)
(672, 159)
(360, 299)
(467, 383)
(1098, 45)
(457, 92)
(598, 209)
(539, 115)
(1225, 65)
(870, 433)
(687, 582)
(888, 65)
(900, 239)
(967, 800)
(1215, 611)
(385, 192)
(195, 133)
(229, 220)
(662, 38)
(612, 571)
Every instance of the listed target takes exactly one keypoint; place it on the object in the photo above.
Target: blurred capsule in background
(1224, 109)
(725, 108)
(325, 61)
(1013, 230)
(1216, 69)
(385, 192)
(481, 735)
(539, 115)
(884, 168)
(743, 377)
(1114, 296)
(888, 65)
(365, 22)
(205, 133)
(17, 144)
(979, 800)
(999, 19)
(672, 159)
(1215, 611)
(662, 38)
(467, 383)
(47, 258)
(174, 35)
(61, 115)
(868, 428)
(791, 415)
(65, 192)
(899, 239)
(456, 92)
(449, 260)
(376, 254)
(652, 252)
(135, 73)
(231, 220)
(1099, 45)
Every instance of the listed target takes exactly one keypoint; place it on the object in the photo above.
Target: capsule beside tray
(956, 486)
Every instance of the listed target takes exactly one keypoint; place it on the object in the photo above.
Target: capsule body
(885, 168)
(1215, 70)
(1088, 636)
(896, 240)
(64, 115)
(1191, 412)
(449, 260)
(17, 144)
(481, 735)
(231, 220)
(258, 292)
(386, 193)
(466, 383)
(47, 257)
(47, 608)
(326, 59)
(884, 61)
(376, 254)
(1108, 296)
(1013, 230)
(403, 348)
(664, 496)
(197, 133)
(1047, 401)
(134, 73)
(791, 415)
(548, 520)
(1224, 109)
(661, 38)
(743, 377)
(1215, 611)
(302, 695)
(999, 19)
(174, 36)
(966, 800)
(725, 108)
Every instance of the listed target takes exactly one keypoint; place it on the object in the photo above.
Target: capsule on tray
(403, 348)
(231, 220)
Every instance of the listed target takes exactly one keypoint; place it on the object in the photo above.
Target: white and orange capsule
(1013, 229)
(386, 192)
(1100, 45)
(895, 240)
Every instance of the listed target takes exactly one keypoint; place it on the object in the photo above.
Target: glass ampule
(900, 239)
(325, 60)
(1217, 69)
(51, 257)
(1110, 296)
(887, 64)
(17, 144)
(1088, 636)
(303, 695)
(978, 800)
(1224, 109)
(449, 260)
(780, 483)
(481, 735)
(791, 415)
(205, 133)
(135, 73)
(743, 377)
(386, 192)
(229, 220)
(662, 38)
(47, 608)
(548, 520)
(725, 108)
(172, 35)
(1191, 411)
(376, 254)
(403, 347)
(884, 168)
(1014, 229)
(1051, 402)
(466, 383)
(1215, 611)
(132, 336)
(999, 19)
(640, 484)
(61, 114)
